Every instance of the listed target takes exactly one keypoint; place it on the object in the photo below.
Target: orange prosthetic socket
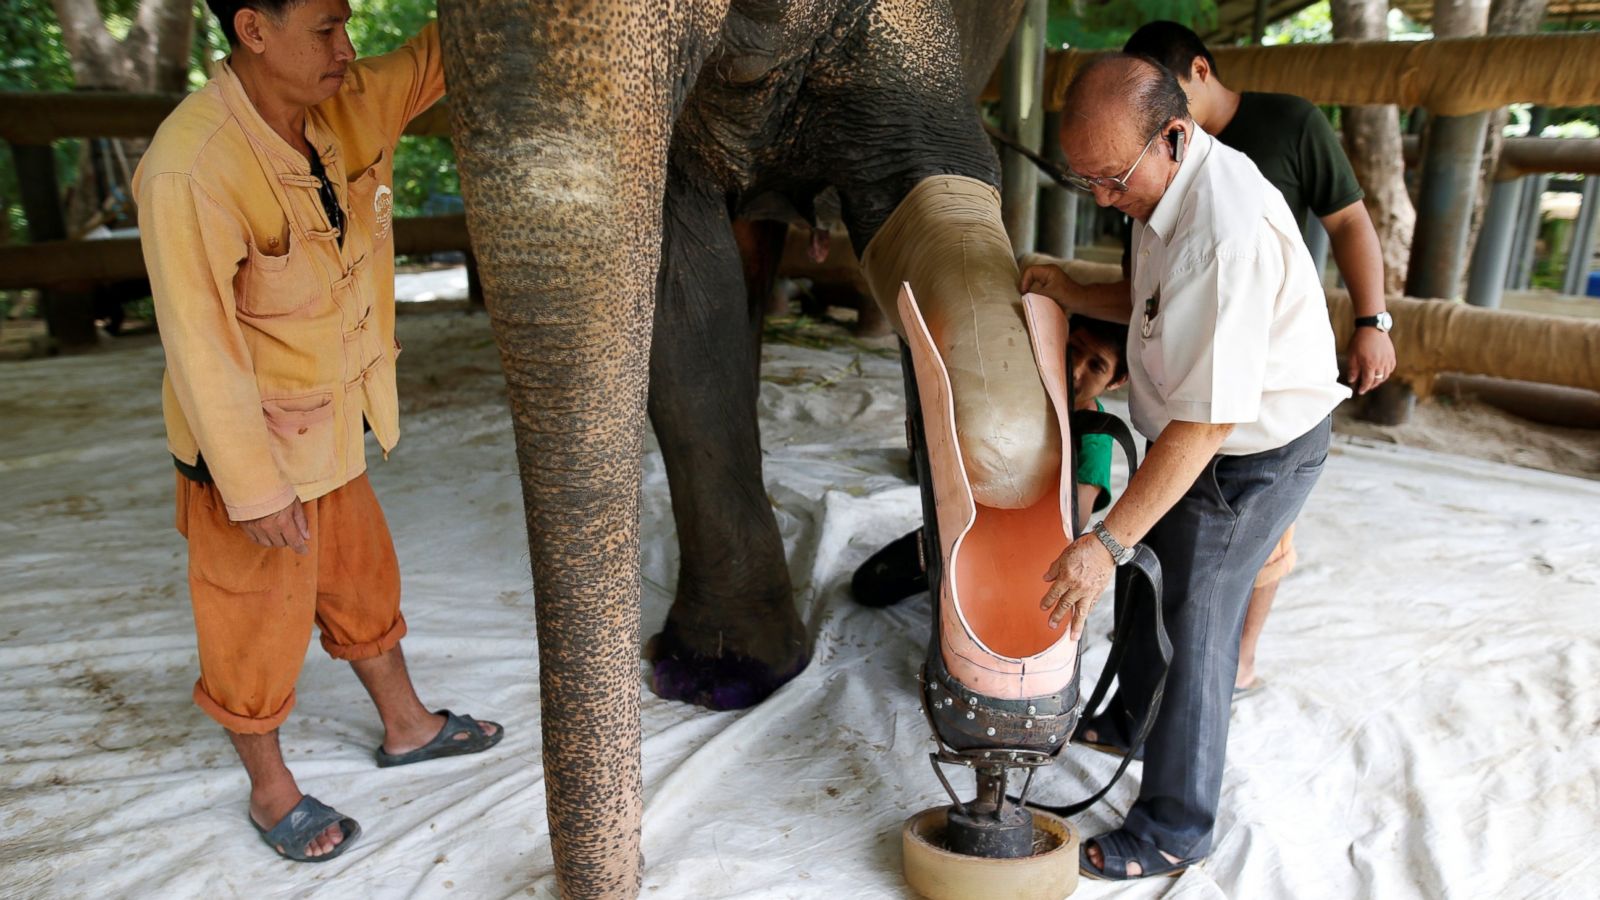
(1000, 687)
(993, 637)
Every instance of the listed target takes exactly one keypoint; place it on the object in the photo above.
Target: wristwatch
(1122, 555)
(1382, 321)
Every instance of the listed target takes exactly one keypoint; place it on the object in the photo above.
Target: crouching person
(264, 206)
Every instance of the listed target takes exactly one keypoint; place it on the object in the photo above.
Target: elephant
(605, 147)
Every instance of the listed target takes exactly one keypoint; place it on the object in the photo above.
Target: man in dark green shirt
(1293, 145)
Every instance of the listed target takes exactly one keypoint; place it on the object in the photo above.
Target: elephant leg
(732, 636)
(760, 243)
(562, 113)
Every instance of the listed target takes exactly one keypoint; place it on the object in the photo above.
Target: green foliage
(32, 58)
(1576, 122)
(32, 55)
(1087, 25)
(423, 166)
(1312, 25)
(210, 45)
(1404, 28)
(378, 26)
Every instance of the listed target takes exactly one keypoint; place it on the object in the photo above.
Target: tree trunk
(96, 62)
(1372, 141)
(561, 114)
(165, 28)
(1460, 18)
(1505, 17)
(154, 56)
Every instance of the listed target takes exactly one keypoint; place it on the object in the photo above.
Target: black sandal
(1118, 848)
(447, 742)
(309, 818)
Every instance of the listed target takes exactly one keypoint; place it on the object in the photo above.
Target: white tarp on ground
(1430, 728)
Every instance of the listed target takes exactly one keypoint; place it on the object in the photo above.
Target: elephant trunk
(561, 134)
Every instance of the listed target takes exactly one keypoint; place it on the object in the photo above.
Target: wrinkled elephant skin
(604, 147)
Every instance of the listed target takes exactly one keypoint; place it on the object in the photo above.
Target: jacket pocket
(302, 435)
(372, 201)
(272, 286)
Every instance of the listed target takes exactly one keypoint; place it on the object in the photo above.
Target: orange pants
(254, 605)
(1281, 562)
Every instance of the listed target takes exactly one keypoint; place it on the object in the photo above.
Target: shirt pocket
(302, 434)
(1152, 349)
(372, 202)
(273, 286)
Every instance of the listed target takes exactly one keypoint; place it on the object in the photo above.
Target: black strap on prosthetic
(1144, 567)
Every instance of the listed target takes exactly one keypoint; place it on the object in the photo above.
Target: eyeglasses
(1087, 183)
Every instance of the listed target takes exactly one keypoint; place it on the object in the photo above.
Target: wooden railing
(68, 269)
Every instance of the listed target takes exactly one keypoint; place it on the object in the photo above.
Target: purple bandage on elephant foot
(715, 682)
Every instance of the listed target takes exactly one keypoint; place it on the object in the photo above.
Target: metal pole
(1528, 232)
(1451, 159)
(1058, 207)
(1450, 171)
(1581, 256)
(1491, 259)
(1258, 28)
(1520, 278)
(1317, 242)
(1022, 102)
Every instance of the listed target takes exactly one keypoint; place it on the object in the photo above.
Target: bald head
(1130, 90)
(1113, 111)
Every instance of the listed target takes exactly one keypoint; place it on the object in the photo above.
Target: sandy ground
(1431, 726)
(1471, 428)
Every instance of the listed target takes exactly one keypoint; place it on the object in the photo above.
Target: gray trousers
(1211, 545)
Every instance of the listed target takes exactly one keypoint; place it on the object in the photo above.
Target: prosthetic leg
(999, 685)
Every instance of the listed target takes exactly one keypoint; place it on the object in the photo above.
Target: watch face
(1385, 321)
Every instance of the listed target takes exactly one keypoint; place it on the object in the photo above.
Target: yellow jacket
(278, 341)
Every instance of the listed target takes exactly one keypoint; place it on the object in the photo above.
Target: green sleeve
(1094, 466)
(1327, 182)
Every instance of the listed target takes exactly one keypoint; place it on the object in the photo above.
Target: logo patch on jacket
(383, 209)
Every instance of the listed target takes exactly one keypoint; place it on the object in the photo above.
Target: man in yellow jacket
(266, 216)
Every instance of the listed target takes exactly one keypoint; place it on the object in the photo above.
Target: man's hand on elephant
(1049, 281)
(1078, 578)
(285, 528)
(1370, 360)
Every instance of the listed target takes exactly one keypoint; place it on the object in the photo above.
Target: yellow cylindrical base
(938, 874)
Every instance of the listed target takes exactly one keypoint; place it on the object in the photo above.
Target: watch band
(1381, 321)
(1120, 554)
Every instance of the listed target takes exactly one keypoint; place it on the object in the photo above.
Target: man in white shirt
(1233, 379)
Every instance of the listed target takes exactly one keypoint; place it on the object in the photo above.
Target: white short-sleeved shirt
(1237, 330)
